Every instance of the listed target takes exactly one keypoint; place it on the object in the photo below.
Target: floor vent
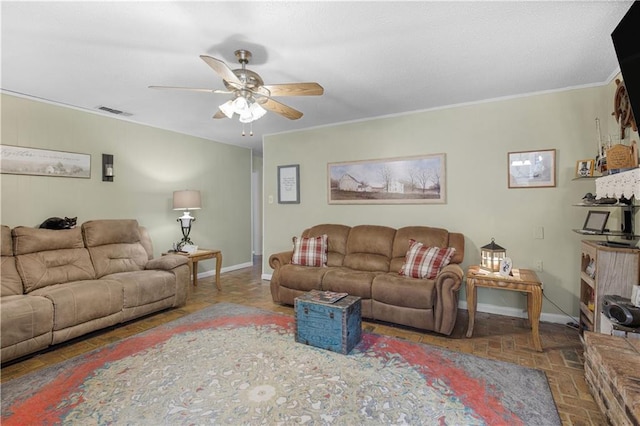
(114, 111)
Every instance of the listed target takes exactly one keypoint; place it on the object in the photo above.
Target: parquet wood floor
(495, 337)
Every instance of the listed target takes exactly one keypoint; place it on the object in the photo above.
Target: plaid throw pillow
(310, 251)
(425, 262)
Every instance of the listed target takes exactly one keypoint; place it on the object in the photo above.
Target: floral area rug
(231, 364)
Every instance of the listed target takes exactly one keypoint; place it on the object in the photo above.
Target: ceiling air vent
(114, 111)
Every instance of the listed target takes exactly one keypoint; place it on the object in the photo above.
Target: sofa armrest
(448, 283)
(276, 261)
(280, 259)
(167, 263)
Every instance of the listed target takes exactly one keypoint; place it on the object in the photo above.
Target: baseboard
(224, 269)
(515, 312)
(498, 310)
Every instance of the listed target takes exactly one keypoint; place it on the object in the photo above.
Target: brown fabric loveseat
(364, 261)
(61, 284)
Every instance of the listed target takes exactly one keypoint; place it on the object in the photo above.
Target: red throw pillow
(425, 262)
(310, 251)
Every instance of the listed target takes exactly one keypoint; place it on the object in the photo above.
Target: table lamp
(186, 200)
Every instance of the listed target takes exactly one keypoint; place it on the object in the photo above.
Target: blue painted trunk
(333, 326)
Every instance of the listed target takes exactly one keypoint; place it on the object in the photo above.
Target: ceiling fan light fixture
(240, 104)
(227, 109)
(252, 99)
(252, 113)
(257, 111)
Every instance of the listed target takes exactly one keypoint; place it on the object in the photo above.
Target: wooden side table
(203, 254)
(523, 280)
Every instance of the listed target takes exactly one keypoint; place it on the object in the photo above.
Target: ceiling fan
(251, 97)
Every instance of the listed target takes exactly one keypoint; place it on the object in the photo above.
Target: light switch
(538, 233)
(270, 199)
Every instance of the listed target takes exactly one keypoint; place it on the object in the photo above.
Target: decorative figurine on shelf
(622, 109)
(601, 156)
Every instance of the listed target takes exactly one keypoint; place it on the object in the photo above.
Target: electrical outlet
(539, 266)
(270, 199)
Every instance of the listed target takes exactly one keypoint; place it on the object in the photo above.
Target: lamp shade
(227, 109)
(186, 200)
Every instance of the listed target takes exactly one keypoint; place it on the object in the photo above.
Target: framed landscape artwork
(19, 160)
(532, 169)
(404, 180)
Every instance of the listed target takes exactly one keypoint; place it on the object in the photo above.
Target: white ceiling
(372, 58)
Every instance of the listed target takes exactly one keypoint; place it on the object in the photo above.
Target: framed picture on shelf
(585, 168)
(532, 169)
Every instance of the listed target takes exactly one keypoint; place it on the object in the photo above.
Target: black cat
(59, 223)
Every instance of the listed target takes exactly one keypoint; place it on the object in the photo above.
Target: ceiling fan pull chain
(251, 129)
(243, 134)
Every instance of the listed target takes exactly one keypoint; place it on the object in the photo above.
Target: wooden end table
(202, 254)
(522, 280)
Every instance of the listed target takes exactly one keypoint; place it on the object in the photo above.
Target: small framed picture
(532, 169)
(289, 184)
(505, 267)
(584, 168)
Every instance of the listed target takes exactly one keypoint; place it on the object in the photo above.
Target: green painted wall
(476, 139)
(149, 165)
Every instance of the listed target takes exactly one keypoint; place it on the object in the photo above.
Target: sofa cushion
(425, 262)
(396, 290)
(145, 240)
(115, 231)
(46, 257)
(356, 283)
(51, 267)
(115, 246)
(311, 251)
(115, 258)
(302, 278)
(6, 241)
(369, 248)
(11, 283)
(32, 240)
(336, 241)
(25, 317)
(82, 301)
(144, 287)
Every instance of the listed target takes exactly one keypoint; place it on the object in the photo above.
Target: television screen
(626, 41)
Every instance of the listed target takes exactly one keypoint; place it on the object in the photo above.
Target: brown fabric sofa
(61, 284)
(364, 261)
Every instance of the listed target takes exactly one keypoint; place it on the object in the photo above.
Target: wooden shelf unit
(615, 271)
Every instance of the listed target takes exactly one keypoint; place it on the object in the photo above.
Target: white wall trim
(516, 312)
(108, 115)
(212, 272)
(449, 106)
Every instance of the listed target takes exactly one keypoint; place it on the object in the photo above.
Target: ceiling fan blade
(221, 69)
(219, 114)
(295, 89)
(192, 89)
(282, 109)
